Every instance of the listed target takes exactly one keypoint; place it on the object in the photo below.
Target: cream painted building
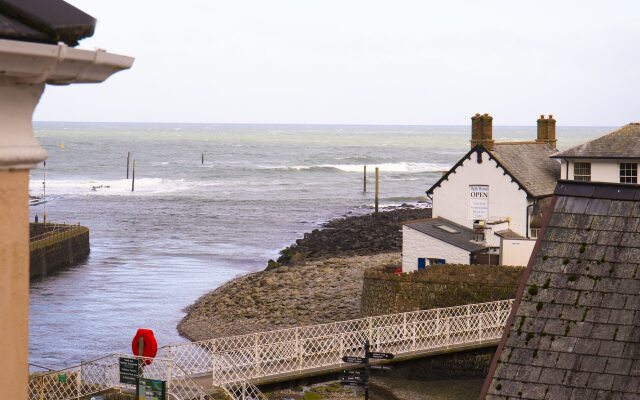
(35, 40)
(488, 206)
(611, 158)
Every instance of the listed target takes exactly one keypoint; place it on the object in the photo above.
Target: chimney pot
(541, 116)
(550, 116)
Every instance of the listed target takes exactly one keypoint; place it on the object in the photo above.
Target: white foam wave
(408, 167)
(143, 186)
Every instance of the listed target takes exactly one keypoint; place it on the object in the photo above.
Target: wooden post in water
(203, 158)
(365, 179)
(128, 159)
(377, 186)
(133, 176)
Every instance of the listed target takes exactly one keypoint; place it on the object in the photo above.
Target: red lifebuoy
(150, 348)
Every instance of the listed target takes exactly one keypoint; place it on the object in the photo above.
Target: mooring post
(377, 186)
(128, 159)
(365, 179)
(133, 176)
(203, 158)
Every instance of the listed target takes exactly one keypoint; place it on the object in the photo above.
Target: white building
(610, 158)
(487, 208)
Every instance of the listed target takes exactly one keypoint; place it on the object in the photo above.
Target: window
(582, 171)
(534, 233)
(422, 263)
(628, 173)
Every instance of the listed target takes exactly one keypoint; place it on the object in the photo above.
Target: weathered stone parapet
(55, 246)
(438, 286)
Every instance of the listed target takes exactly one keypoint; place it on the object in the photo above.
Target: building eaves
(479, 149)
(461, 238)
(44, 21)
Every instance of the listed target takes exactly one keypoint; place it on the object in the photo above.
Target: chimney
(551, 131)
(547, 130)
(482, 131)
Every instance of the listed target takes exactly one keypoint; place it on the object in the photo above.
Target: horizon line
(307, 124)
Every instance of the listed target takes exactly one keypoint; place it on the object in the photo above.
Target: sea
(210, 202)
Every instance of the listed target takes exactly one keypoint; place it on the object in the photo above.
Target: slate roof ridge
(621, 143)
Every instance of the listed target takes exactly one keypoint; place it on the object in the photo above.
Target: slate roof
(530, 164)
(462, 239)
(509, 234)
(44, 21)
(527, 163)
(623, 143)
(573, 332)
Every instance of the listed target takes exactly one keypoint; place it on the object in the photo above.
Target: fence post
(370, 329)
(79, 382)
(480, 337)
(298, 348)
(468, 307)
(256, 355)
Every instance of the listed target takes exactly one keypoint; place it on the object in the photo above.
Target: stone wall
(437, 286)
(57, 249)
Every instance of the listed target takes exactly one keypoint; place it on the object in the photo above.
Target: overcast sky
(361, 62)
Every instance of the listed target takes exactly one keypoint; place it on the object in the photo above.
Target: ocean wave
(401, 167)
(143, 186)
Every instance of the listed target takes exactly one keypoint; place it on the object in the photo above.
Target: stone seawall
(56, 246)
(438, 286)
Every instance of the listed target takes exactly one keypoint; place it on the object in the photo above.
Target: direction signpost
(360, 378)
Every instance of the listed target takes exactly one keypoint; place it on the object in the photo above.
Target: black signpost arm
(366, 367)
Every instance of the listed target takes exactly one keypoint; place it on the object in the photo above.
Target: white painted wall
(451, 198)
(601, 170)
(516, 252)
(416, 244)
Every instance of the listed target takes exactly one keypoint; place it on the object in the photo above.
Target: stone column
(19, 152)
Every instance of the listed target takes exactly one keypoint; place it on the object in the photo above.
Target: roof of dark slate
(463, 238)
(527, 164)
(623, 143)
(575, 334)
(530, 164)
(509, 234)
(44, 21)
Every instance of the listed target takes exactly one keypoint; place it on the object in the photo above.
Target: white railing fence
(264, 354)
(233, 363)
(102, 375)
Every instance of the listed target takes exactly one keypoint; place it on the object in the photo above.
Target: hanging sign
(479, 202)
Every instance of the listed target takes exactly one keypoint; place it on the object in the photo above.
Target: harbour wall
(437, 286)
(55, 246)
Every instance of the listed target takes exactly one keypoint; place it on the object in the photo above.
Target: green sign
(129, 370)
(62, 378)
(151, 389)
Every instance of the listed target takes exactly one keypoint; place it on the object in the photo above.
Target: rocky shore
(316, 280)
(322, 291)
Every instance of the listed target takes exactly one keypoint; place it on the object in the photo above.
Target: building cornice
(25, 68)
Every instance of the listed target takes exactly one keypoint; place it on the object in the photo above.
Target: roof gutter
(34, 63)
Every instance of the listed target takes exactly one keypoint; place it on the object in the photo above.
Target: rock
(319, 292)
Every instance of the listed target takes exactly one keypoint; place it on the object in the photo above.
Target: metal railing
(57, 233)
(233, 363)
(102, 375)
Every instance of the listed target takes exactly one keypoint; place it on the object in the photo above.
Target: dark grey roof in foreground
(462, 238)
(531, 164)
(509, 234)
(623, 143)
(575, 330)
(527, 163)
(44, 21)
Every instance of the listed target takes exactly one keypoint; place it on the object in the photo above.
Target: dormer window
(628, 173)
(582, 171)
